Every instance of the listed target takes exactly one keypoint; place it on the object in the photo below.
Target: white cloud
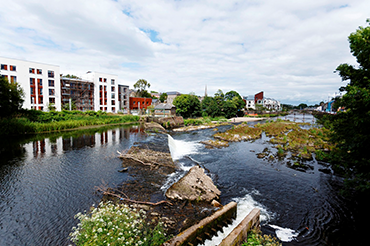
(288, 49)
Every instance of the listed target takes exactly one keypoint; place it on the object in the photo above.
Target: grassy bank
(31, 121)
(203, 121)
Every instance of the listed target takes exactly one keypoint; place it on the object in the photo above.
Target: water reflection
(46, 179)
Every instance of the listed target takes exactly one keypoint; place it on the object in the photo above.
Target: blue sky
(288, 49)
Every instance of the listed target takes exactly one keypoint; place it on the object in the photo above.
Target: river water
(46, 180)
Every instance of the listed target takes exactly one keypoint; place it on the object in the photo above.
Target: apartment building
(80, 91)
(124, 98)
(105, 91)
(40, 82)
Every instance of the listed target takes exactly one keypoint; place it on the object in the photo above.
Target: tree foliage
(11, 97)
(141, 86)
(163, 97)
(187, 105)
(352, 126)
(228, 105)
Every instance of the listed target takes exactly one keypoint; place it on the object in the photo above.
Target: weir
(209, 227)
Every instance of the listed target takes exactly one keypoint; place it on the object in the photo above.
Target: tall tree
(141, 86)
(11, 97)
(210, 107)
(352, 126)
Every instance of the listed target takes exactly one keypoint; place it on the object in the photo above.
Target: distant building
(137, 103)
(106, 91)
(171, 95)
(40, 82)
(165, 109)
(249, 102)
(259, 99)
(124, 98)
(80, 91)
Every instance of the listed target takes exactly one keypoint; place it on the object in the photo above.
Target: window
(32, 92)
(105, 79)
(32, 81)
(51, 92)
(33, 100)
(41, 100)
(32, 70)
(39, 82)
(13, 79)
(51, 83)
(4, 67)
(40, 91)
(113, 88)
(51, 100)
(100, 79)
(39, 71)
(12, 68)
(113, 102)
(112, 81)
(51, 74)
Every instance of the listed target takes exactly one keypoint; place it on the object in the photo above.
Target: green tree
(238, 102)
(163, 97)
(210, 107)
(141, 86)
(187, 105)
(11, 97)
(351, 127)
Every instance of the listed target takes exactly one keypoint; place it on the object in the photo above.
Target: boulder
(194, 186)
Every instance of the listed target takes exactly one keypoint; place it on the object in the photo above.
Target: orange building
(142, 101)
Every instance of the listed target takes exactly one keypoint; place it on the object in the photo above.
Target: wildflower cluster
(110, 224)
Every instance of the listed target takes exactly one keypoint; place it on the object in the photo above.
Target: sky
(288, 49)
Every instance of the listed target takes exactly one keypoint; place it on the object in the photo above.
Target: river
(46, 180)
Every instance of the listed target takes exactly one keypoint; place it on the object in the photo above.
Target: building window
(32, 81)
(105, 79)
(51, 74)
(51, 100)
(39, 82)
(39, 71)
(13, 79)
(40, 91)
(100, 79)
(113, 102)
(32, 92)
(32, 70)
(112, 81)
(113, 88)
(12, 68)
(51, 83)
(51, 92)
(41, 100)
(4, 67)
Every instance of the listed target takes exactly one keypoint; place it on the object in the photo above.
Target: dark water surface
(45, 182)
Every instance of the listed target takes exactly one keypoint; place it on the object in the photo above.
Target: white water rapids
(180, 149)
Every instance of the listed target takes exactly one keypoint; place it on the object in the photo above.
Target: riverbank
(31, 121)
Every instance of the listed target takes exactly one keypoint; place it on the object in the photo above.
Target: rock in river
(194, 186)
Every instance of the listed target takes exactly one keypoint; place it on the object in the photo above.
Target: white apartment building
(40, 82)
(105, 91)
(249, 102)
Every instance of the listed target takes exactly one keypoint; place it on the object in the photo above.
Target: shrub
(255, 238)
(110, 224)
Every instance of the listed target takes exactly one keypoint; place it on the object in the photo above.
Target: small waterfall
(181, 148)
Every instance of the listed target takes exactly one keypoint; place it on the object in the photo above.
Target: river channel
(46, 180)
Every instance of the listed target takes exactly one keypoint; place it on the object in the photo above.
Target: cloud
(287, 49)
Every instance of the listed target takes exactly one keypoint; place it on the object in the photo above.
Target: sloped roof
(164, 106)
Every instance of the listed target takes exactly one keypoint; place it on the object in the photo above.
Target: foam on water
(181, 148)
(284, 234)
(245, 205)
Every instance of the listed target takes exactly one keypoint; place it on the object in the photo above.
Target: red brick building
(142, 101)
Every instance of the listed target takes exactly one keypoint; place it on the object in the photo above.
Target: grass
(116, 224)
(203, 121)
(31, 121)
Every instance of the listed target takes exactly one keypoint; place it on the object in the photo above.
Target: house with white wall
(39, 81)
